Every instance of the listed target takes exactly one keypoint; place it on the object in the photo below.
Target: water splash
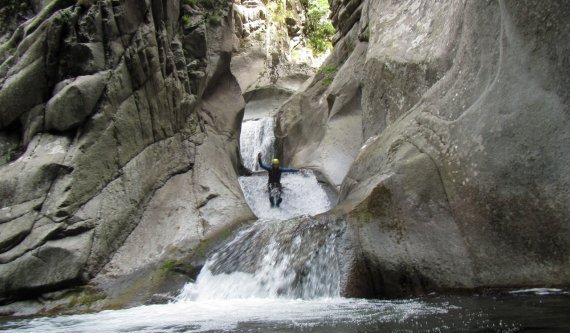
(302, 195)
(273, 259)
(243, 316)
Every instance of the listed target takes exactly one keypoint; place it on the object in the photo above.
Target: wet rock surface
(121, 143)
(461, 179)
(442, 126)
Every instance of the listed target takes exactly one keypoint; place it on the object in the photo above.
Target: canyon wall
(119, 140)
(453, 117)
(443, 126)
(120, 125)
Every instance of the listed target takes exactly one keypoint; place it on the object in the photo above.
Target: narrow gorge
(435, 136)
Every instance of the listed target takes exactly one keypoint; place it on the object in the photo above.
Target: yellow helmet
(275, 161)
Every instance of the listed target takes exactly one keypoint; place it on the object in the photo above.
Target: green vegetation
(169, 264)
(276, 11)
(327, 69)
(187, 20)
(192, 3)
(318, 28)
(329, 72)
(214, 18)
(327, 81)
(213, 10)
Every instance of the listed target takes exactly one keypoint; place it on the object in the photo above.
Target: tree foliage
(213, 10)
(318, 28)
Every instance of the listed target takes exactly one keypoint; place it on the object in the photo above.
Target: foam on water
(272, 260)
(539, 291)
(240, 315)
(302, 195)
(280, 275)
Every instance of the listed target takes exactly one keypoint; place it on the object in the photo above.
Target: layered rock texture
(119, 139)
(444, 126)
(119, 123)
(272, 61)
(272, 48)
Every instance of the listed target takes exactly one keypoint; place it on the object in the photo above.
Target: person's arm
(263, 166)
(289, 170)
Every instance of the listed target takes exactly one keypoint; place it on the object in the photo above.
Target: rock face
(443, 125)
(271, 45)
(459, 176)
(119, 124)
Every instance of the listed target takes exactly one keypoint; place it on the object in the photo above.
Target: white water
(256, 136)
(275, 275)
(273, 260)
(252, 315)
(272, 246)
(282, 275)
(302, 195)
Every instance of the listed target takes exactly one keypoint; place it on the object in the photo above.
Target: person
(274, 180)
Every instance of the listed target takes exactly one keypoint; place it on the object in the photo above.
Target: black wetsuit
(274, 179)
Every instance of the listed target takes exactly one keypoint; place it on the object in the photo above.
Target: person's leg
(270, 192)
(279, 194)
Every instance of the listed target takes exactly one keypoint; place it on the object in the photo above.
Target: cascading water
(256, 136)
(273, 258)
(281, 274)
(302, 194)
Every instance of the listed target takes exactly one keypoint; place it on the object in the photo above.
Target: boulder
(328, 138)
(30, 177)
(22, 91)
(57, 263)
(14, 231)
(75, 102)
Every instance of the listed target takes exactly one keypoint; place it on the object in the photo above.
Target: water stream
(281, 274)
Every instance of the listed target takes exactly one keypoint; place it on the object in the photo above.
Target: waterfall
(286, 253)
(256, 136)
(273, 259)
(302, 193)
(282, 274)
